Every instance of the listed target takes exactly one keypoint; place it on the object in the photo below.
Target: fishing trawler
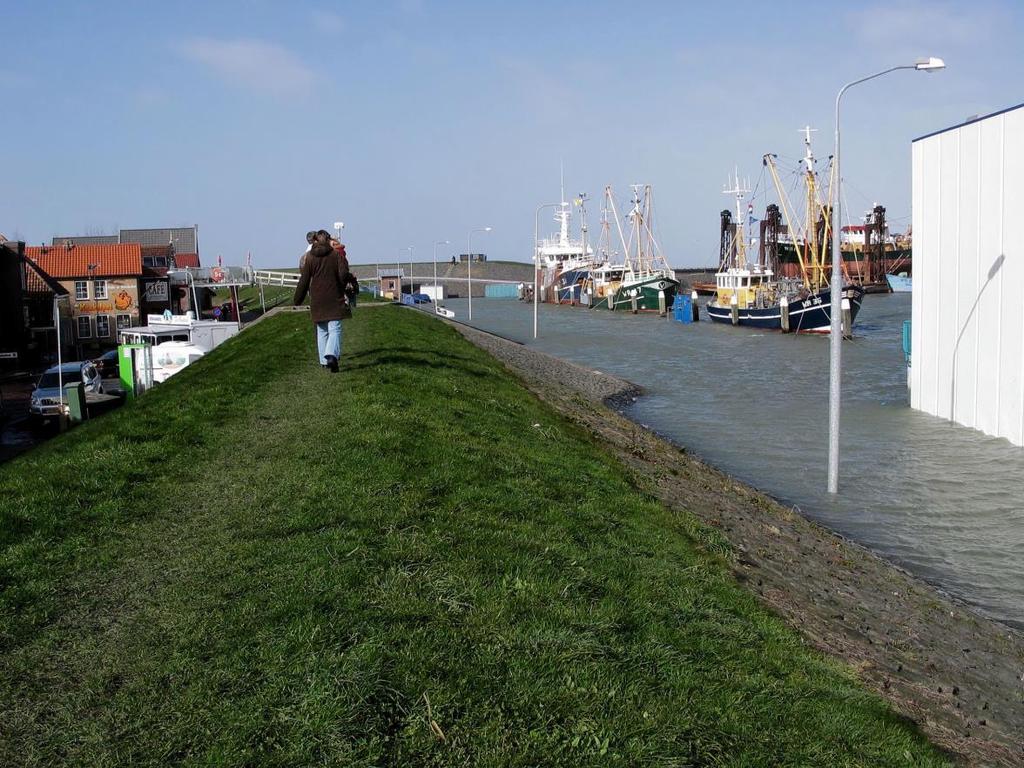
(642, 281)
(752, 295)
(564, 264)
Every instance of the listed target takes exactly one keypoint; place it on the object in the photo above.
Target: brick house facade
(105, 282)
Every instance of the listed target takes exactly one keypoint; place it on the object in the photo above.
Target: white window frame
(88, 325)
(106, 319)
(81, 290)
(122, 324)
(99, 289)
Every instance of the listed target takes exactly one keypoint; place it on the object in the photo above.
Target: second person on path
(324, 276)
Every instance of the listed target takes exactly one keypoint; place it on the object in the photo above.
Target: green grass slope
(413, 562)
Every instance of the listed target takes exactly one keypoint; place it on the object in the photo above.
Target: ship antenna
(808, 154)
(740, 237)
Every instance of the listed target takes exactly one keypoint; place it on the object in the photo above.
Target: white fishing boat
(564, 263)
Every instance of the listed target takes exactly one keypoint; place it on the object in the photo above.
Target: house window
(102, 326)
(124, 321)
(100, 289)
(81, 290)
(84, 327)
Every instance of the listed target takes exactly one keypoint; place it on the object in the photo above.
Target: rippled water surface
(943, 501)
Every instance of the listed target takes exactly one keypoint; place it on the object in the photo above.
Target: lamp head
(339, 225)
(931, 64)
(487, 229)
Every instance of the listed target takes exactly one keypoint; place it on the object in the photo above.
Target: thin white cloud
(920, 26)
(328, 22)
(253, 64)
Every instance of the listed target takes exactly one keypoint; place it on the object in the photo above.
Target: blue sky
(415, 121)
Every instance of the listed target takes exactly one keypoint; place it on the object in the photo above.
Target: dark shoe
(332, 363)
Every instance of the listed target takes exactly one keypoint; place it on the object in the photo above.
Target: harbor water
(943, 501)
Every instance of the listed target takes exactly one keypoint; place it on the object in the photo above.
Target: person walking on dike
(310, 237)
(324, 276)
(351, 284)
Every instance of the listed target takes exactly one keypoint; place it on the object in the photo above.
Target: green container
(126, 368)
(75, 396)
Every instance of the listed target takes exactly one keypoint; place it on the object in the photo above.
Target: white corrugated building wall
(967, 344)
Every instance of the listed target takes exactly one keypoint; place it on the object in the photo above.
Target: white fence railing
(270, 277)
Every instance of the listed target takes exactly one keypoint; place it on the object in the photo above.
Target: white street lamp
(437, 243)
(469, 264)
(536, 260)
(930, 64)
(338, 227)
(189, 281)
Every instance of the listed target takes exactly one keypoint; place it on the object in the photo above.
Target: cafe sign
(155, 291)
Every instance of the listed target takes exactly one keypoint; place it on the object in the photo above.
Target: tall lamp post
(95, 299)
(836, 287)
(189, 282)
(338, 227)
(437, 243)
(409, 249)
(469, 264)
(536, 260)
(411, 289)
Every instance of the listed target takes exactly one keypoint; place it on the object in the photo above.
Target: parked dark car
(107, 364)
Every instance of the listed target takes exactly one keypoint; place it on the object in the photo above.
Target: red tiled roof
(39, 282)
(111, 259)
(34, 283)
(183, 260)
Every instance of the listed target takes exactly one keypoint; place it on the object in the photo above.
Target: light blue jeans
(328, 339)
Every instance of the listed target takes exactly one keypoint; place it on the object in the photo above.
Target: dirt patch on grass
(954, 672)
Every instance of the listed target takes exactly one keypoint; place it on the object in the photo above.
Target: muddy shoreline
(938, 662)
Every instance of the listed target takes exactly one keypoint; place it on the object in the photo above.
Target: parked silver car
(46, 397)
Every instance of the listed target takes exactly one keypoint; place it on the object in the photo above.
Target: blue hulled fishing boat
(751, 294)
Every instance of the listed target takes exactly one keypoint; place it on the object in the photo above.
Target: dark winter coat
(324, 275)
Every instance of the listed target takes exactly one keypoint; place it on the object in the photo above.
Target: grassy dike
(413, 562)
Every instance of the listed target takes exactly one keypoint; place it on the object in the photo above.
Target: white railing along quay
(271, 277)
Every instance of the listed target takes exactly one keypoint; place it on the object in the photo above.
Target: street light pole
(410, 269)
(437, 243)
(95, 300)
(836, 286)
(469, 264)
(536, 260)
(400, 281)
(190, 282)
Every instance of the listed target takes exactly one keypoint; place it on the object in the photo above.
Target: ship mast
(811, 226)
(740, 239)
(583, 221)
(610, 201)
(562, 217)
